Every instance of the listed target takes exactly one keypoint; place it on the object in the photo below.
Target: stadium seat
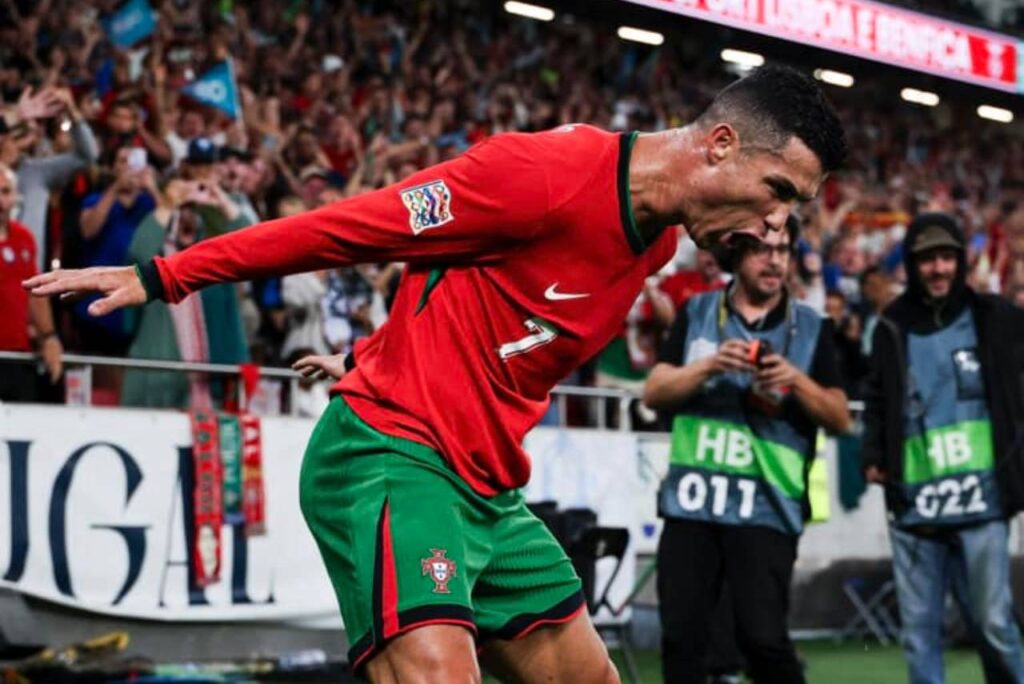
(873, 616)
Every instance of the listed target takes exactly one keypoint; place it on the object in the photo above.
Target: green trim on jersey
(433, 279)
(633, 237)
(734, 449)
(941, 453)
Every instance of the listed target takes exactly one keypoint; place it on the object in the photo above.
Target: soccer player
(524, 255)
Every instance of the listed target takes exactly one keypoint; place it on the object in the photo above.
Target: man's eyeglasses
(762, 249)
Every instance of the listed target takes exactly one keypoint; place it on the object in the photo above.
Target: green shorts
(407, 543)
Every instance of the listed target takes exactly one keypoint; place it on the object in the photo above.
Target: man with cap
(944, 431)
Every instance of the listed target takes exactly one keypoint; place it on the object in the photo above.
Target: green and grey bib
(730, 463)
(947, 435)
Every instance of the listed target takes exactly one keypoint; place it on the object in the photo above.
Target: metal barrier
(595, 397)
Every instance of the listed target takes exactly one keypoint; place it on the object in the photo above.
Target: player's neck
(4, 230)
(654, 183)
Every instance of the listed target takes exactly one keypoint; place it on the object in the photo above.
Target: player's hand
(732, 356)
(776, 372)
(318, 367)
(118, 285)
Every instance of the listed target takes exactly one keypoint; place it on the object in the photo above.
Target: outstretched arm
(466, 210)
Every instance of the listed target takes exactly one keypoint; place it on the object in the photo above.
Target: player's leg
(569, 652)
(530, 608)
(388, 519)
(431, 653)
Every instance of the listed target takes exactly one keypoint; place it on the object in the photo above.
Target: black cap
(932, 231)
(201, 150)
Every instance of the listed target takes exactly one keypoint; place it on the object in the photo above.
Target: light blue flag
(131, 23)
(217, 88)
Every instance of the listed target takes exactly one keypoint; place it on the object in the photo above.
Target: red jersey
(524, 258)
(17, 262)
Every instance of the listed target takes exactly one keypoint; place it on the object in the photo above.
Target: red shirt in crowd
(17, 262)
(524, 258)
(682, 285)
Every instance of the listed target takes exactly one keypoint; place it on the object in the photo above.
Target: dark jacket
(999, 327)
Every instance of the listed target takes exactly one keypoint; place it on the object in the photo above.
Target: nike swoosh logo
(554, 296)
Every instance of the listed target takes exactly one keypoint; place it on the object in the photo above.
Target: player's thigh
(431, 653)
(571, 652)
(528, 580)
(530, 608)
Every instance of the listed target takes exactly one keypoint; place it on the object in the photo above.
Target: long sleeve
(468, 210)
(86, 147)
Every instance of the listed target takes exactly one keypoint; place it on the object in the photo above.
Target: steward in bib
(748, 375)
(944, 433)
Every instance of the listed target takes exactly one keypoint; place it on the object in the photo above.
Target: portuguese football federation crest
(429, 205)
(440, 569)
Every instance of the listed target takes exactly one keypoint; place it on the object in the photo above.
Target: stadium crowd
(114, 164)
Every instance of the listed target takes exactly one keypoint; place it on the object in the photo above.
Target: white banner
(91, 514)
(95, 519)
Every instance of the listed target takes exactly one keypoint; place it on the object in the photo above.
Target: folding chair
(592, 545)
(872, 615)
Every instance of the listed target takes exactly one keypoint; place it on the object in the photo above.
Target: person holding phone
(108, 222)
(748, 375)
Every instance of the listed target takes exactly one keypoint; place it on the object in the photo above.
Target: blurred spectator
(39, 174)
(848, 332)
(108, 222)
(876, 286)
(686, 282)
(26, 319)
(625, 363)
(346, 309)
(205, 327)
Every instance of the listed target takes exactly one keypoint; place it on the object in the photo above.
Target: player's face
(753, 190)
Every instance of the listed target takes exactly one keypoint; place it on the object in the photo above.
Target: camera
(758, 351)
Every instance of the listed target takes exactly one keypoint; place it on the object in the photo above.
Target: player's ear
(721, 142)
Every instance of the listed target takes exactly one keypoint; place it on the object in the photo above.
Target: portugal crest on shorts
(429, 205)
(440, 569)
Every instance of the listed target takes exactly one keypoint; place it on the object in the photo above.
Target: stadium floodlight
(747, 60)
(524, 9)
(836, 78)
(995, 113)
(640, 35)
(921, 97)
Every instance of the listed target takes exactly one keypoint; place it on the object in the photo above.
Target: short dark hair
(868, 272)
(837, 294)
(775, 103)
